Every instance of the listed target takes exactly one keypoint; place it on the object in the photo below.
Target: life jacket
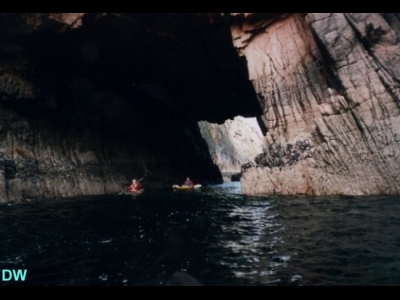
(138, 187)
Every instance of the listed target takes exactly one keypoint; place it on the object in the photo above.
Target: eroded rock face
(329, 85)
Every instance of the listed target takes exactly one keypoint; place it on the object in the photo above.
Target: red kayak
(133, 193)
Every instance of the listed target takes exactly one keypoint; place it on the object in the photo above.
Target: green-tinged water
(216, 234)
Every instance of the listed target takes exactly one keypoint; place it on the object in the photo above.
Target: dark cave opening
(137, 84)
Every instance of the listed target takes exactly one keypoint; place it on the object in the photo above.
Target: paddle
(142, 178)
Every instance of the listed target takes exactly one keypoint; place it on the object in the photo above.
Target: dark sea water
(216, 234)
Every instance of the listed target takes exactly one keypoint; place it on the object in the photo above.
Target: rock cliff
(328, 84)
(90, 100)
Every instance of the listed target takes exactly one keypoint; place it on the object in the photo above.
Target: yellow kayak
(186, 188)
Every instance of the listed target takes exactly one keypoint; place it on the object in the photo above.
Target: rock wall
(43, 160)
(328, 84)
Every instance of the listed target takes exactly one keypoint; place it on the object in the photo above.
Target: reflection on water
(216, 234)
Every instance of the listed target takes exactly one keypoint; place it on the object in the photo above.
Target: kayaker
(188, 182)
(134, 187)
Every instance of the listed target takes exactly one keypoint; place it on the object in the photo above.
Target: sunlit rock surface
(328, 84)
(233, 143)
